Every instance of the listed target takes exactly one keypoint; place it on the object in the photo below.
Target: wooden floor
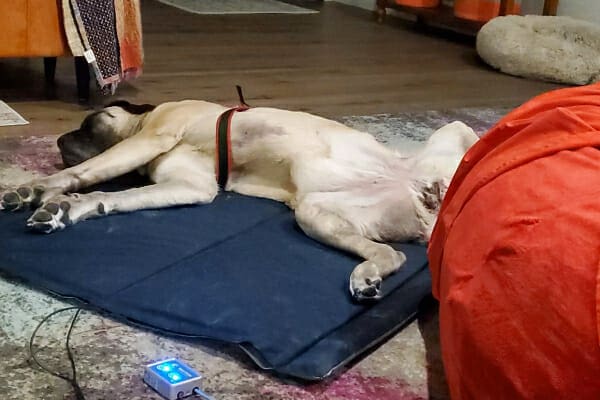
(338, 62)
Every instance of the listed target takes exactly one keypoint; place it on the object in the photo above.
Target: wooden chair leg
(507, 7)
(82, 72)
(381, 10)
(50, 69)
(550, 7)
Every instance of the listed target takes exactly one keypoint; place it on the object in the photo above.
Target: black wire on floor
(72, 380)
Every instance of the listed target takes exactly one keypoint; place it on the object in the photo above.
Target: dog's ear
(132, 108)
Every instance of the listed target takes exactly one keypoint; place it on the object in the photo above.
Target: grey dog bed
(556, 49)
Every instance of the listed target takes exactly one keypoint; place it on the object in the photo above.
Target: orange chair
(484, 10)
(34, 28)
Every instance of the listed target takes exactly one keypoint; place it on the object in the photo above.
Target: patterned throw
(109, 34)
(71, 30)
(129, 30)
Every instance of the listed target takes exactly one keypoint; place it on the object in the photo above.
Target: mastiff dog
(346, 189)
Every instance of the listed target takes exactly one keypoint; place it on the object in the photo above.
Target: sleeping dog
(346, 189)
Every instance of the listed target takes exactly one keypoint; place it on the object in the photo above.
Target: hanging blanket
(129, 31)
(109, 34)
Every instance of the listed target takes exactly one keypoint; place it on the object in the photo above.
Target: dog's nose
(66, 140)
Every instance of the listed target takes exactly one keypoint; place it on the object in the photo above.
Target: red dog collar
(223, 160)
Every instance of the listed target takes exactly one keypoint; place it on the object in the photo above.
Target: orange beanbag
(514, 256)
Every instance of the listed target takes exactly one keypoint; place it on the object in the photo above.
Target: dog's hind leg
(328, 227)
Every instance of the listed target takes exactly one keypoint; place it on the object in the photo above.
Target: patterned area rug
(110, 355)
(237, 7)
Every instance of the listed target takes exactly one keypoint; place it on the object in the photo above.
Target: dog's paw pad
(51, 208)
(43, 216)
(51, 217)
(11, 201)
(21, 197)
(365, 288)
(101, 209)
(368, 293)
(24, 192)
(374, 282)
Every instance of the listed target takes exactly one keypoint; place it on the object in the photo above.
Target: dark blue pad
(238, 270)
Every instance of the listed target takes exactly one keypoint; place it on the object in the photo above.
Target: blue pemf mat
(238, 270)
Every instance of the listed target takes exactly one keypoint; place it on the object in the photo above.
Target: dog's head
(101, 130)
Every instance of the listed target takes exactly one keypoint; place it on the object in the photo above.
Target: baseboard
(365, 4)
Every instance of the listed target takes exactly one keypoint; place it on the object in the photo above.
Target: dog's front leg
(381, 260)
(61, 211)
(120, 159)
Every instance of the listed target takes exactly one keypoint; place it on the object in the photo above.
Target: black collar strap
(223, 159)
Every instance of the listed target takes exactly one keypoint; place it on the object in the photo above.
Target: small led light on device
(173, 379)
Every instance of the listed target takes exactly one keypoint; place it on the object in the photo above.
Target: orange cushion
(481, 10)
(514, 256)
(32, 28)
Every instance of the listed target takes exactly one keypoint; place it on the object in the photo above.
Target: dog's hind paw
(365, 282)
(52, 216)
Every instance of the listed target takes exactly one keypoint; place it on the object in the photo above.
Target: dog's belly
(378, 211)
(263, 173)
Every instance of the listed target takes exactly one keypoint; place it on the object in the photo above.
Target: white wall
(532, 6)
(583, 9)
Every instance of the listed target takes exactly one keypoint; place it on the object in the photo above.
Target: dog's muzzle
(76, 147)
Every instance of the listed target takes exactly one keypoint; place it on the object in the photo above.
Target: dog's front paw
(365, 282)
(20, 198)
(52, 216)
(63, 210)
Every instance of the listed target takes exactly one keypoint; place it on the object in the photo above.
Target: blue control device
(172, 378)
